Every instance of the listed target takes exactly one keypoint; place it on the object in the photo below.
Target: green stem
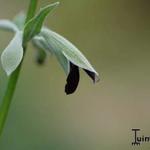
(12, 82)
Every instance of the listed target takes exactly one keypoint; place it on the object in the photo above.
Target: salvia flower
(45, 40)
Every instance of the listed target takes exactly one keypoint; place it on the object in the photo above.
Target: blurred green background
(114, 35)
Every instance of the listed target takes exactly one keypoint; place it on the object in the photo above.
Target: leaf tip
(53, 5)
(57, 3)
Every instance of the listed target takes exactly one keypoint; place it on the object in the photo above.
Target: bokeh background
(114, 35)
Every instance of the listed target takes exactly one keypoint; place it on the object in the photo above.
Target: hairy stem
(12, 82)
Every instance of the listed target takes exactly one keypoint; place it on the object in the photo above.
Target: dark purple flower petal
(72, 79)
(92, 75)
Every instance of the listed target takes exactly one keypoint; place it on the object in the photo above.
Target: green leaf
(8, 25)
(41, 43)
(33, 27)
(19, 20)
(62, 45)
(13, 54)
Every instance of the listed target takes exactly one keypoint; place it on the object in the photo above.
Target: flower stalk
(13, 78)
